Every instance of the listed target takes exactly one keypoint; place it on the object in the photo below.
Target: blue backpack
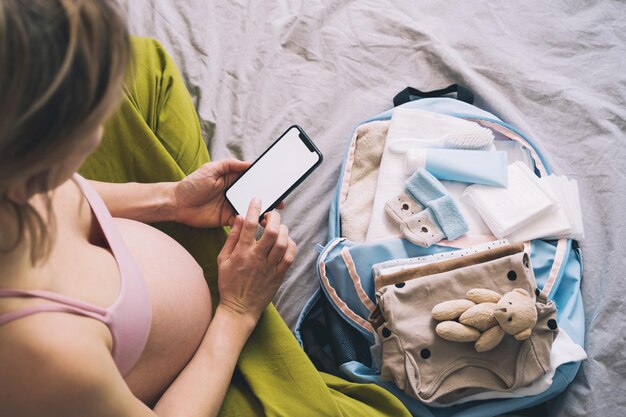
(333, 327)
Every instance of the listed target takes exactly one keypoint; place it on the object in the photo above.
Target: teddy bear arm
(489, 339)
(450, 310)
(456, 332)
(482, 295)
(481, 316)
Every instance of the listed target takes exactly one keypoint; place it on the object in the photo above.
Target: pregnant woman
(102, 314)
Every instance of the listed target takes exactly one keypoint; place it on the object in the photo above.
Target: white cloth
(506, 210)
(553, 224)
(565, 191)
(530, 208)
(252, 71)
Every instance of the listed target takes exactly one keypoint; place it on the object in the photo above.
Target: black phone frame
(308, 143)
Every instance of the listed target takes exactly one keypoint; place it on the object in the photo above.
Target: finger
(251, 222)
(288, 257)
(232, 239)
(281, 205)
(280, 246)
(270, 234)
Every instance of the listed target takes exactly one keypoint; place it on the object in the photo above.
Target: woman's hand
(199, 197)
(251, 271)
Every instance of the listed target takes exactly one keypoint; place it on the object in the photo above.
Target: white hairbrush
(479, 139)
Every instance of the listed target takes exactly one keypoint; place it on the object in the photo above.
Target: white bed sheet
(554, 69)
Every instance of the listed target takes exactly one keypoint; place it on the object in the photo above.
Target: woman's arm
(250, 273)
(197, 200)
(200, 388)
(147, 203)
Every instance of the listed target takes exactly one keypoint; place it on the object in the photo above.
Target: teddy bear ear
(525, 334)
(522, 291)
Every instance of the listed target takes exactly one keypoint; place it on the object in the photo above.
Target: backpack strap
(411, 94)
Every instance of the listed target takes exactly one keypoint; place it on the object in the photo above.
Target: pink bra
(128, 318)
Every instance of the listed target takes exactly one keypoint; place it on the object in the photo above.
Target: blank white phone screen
(272, 175)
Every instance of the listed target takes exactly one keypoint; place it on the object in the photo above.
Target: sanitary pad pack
(530, 207)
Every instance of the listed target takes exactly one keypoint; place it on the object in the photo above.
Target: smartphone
(276, 173)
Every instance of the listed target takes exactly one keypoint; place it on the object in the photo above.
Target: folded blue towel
(448, 216)
(431, 193)
(424, 187)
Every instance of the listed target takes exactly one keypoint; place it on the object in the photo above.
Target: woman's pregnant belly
(181, 308)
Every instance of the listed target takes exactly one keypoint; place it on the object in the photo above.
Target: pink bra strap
(65, 304)
(59, 298)
(14, 315)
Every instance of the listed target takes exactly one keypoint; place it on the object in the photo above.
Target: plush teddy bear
(485, 316)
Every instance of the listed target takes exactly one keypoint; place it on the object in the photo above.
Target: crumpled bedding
(553, 69)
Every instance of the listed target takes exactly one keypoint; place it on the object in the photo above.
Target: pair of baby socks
(425, 211)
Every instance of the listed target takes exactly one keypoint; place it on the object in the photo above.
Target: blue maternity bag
(333, 328)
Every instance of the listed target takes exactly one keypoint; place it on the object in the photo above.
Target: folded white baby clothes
(506, 210)
(530, 208)
(565, 191)
(551, 225)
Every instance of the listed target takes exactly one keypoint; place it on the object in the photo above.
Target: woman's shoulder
(54, 340)
(51, 362)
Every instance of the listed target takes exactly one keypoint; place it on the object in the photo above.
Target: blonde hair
(63, 65)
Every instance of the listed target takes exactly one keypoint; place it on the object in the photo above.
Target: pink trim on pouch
(333, 294)
(356, 280)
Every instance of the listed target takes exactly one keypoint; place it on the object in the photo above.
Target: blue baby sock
(424, 187)
(449, 217)
(432, 216)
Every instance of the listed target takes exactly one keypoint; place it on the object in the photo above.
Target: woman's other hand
(250, 270)
(199, 197)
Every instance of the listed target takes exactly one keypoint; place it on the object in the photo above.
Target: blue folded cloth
(431, 193)
(424, 187)
(449, 217)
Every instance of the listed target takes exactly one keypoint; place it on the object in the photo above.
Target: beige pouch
(430, 368)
